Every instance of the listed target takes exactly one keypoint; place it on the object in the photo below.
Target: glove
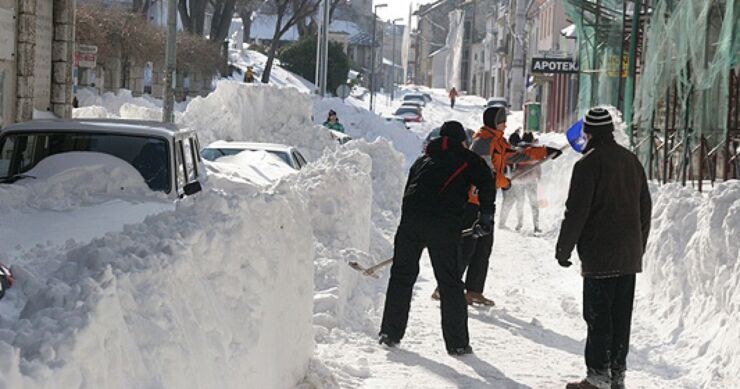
(563, 257)
(485, 224)
(551, 151)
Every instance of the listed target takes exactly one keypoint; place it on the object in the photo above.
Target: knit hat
(493, 116)
(597, 120)
(453, 130)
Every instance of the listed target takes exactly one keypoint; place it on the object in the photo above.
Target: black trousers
(475, 252)
(442, 239)
(607, 309)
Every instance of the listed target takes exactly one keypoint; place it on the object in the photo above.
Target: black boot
(386, 340)
(460, 351)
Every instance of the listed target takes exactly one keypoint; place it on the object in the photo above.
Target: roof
(225, 144)
(135, 127)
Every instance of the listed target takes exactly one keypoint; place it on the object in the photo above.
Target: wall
(7, 61)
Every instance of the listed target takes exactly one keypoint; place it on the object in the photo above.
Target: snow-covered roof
(263, 27)
(224, 144)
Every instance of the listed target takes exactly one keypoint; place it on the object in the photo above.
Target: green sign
(533, 114)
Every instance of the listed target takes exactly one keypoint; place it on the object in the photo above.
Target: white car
(289, 155)
(415, 98)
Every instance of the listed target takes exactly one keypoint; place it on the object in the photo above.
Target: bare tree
(141, 6)
(223, 10)
(289, 13)
(193, 15)
(245, 8)
(309, 25)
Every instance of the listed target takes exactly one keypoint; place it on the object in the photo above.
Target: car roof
(413, 95)
(136, 127)
(225, 144)
(497, 99)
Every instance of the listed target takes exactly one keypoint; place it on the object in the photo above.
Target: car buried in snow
(224, 148)
(414, 98)
(166, 156)
(409, 113)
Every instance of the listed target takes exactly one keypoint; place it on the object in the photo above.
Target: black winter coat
(440, 179)
(608, 211)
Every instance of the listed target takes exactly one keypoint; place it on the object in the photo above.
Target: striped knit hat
(597, 120)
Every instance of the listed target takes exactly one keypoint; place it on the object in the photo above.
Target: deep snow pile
(121, 104)
(257, 113)
(358, 122)
(692, 264)
(190, 290)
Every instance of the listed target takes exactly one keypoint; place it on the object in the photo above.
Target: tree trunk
(273, 49)
(182, 7)
(246, 16)
(222, 21)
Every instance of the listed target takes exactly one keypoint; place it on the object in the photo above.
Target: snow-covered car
(340, 137)
(427, 97)
(413, 103)
(416, 98)
(409, 113)
(290, 155)
(434, 134)
(165, 155)
(396, 119)
(498, 102)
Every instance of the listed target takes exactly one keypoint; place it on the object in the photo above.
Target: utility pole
(324, 46)
(393, 56)
(629, 89)
(372, 56)
(170, 59)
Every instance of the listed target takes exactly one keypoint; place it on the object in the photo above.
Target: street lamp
(372, 55)
(393, 58)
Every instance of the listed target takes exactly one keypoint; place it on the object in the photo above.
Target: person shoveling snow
(431, 216)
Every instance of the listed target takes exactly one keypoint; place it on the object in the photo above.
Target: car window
(6, 155)
(301, 159)
(149, 155)
(214, 154)
(405, 110)
(194, 155)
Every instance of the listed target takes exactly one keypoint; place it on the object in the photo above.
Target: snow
(248, 280)
(241, 58)
(255, 167)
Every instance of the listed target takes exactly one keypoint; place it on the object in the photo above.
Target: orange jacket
(492, 146)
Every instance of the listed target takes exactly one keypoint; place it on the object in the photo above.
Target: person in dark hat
(431, 218)
(607, 217)
(332, 122)
(489, 143)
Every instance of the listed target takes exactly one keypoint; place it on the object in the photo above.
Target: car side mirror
(192, 188)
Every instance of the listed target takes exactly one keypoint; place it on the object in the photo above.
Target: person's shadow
(532, 332)
(493, 377)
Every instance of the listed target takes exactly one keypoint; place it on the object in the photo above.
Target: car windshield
(407, 110)
(20, 152)
(212, 154)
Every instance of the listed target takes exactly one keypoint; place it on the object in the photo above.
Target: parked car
(413, 103)
(165, 155)
(289, 155)
(498, 102)
(434, 134)
(427, 97)
(415, 98)
(409, 113)
(396, 119)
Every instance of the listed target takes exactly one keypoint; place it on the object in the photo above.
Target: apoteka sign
(554, 65)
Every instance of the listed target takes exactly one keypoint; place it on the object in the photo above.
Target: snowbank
(197, 297)
(121, 104)
(692, 274)
(278, 76)
(359, 123)
(257, 113)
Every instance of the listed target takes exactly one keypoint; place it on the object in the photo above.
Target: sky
(398, 8)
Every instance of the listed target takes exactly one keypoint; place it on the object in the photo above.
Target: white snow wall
(692, 277)
(197, 297)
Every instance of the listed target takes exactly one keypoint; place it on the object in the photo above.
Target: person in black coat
(607, 217)
(431, 217)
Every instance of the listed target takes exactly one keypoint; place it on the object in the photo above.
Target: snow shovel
(534, 165)
(474, 231)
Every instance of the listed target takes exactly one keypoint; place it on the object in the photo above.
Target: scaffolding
(685, 63)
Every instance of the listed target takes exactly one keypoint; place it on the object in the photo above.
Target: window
(301, 160)
(190, 173)
(195, 156)
(148, 155)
